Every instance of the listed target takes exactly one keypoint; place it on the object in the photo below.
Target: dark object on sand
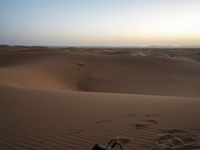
(111, 145)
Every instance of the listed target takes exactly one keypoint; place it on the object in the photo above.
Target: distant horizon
(108, 46)
(100, 22)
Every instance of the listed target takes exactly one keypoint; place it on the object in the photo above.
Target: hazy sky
(100, 22)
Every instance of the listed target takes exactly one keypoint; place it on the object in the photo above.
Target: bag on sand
(113, 144)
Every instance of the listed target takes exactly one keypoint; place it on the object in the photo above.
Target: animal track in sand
(175, 139)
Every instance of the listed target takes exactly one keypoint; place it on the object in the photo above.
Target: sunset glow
(100, 22)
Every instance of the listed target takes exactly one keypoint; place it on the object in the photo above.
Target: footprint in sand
(141, 125)
(80, 64)
(131, 115)
(123, 140)
(195, 129)
(198, 89)
(104, 121)
(147, 115)
(152, 115)
(151, 121)
(147, 122)
(175, 139)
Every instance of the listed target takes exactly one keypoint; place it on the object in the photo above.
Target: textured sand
(32, 119)
(43, 104)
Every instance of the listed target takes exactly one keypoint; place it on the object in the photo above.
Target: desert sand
(72, 98)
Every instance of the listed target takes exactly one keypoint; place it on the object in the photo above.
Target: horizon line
(104, 46)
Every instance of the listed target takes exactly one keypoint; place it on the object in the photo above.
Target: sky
(100, 22)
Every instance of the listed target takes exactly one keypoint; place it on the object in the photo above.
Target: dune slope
(69, 100)
(32, 119)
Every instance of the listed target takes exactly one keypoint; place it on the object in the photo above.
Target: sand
(71, 99)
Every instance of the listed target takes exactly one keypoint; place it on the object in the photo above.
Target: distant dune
(70, 98)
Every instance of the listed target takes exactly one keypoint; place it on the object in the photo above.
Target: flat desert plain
(73, 98)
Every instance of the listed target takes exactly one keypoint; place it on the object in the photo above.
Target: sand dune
(148, 75)
(65, 99)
